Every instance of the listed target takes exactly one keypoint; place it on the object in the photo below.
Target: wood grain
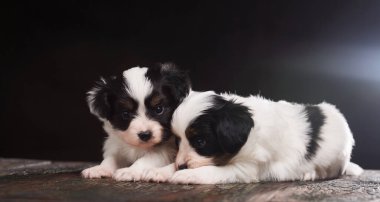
(33, 180)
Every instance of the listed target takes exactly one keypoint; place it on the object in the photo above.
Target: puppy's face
(209, 129)
(137, 106)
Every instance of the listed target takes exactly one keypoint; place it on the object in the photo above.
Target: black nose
(145, 136)
(183, 166)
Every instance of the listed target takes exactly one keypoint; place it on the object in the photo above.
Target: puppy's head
(137, 106)
(209, 129)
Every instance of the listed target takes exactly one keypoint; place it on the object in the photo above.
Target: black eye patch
(158, 108)
(125, 115)
(202, 138)
(198, 142)
(128, 104)
(123, 111)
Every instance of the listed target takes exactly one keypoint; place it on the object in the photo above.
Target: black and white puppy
(227, 139)
(136, 109)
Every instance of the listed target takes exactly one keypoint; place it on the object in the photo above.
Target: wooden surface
(31, 180)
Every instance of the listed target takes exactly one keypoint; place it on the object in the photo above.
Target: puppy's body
(227, 138)
(136, 109)
(292, 141)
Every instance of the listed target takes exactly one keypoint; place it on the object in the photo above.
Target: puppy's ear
(100, 98)
(176, 82)
(233, 125)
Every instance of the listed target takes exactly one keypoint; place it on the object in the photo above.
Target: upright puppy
(136, 109)
(227, 139)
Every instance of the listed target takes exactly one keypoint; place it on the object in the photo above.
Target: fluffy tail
(353, 169)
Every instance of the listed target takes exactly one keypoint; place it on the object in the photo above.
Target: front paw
(98, 171)
(309, 176)
(158, 174)
(128, 174)
(190, 176)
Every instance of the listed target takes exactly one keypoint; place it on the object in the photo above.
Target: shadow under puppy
(136, 109)
(228, 138)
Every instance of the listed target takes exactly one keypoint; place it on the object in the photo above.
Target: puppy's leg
(136, 171)
(215, 175)
(105, 169)
(162, 174)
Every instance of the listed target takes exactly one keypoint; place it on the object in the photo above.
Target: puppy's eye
(199, 142)
(125, 115)
(158, 109)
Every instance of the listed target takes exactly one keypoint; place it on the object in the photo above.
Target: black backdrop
(303, 51)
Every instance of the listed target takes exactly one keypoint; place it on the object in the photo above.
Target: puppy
(231, 139)
(136, 109)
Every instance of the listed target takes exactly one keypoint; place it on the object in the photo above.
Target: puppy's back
(298, 142)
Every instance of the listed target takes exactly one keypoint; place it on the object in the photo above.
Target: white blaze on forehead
(191, 107)
(138, 85)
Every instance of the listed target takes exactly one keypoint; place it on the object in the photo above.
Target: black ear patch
(234, 123)
(174, 82)
(221, 130)
(102, 96)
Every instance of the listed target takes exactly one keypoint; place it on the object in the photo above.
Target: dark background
(301, 51)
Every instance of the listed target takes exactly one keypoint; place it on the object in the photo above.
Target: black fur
(107, 102)
(222, 130)
(170, 86)
(316, 119)
(171, 81)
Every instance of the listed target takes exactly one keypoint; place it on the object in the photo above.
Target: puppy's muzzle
(145, 135)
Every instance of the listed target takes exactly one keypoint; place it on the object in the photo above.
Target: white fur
(138, 86)
(126, 157)
(184, 115)
(275, 149)
(159, 174)
(90, 98)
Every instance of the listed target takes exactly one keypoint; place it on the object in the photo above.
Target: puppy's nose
(183, 166)
(145, 136)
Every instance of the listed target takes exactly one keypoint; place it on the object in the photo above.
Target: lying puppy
(136, 109)
(227, 139)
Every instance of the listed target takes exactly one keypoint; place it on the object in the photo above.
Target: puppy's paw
(309, 176)
(158, 174)
(190, 176)
(128, 174)
(98, 171)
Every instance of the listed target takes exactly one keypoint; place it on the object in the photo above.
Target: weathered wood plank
(28, 166)
(65, 183)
